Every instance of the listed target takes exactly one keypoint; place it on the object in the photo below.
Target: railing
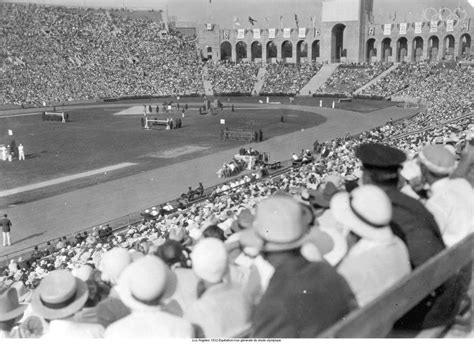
(377, 318)
(121, 223)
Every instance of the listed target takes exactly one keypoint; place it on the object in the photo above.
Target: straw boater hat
(281, 224)
(437, 159)
(10, 308)
(367, 211)
(59, 295)
(145, 283)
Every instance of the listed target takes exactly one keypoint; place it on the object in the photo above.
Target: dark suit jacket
(416, 226)
(303, 299)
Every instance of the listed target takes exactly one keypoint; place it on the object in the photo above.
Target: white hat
(367, 211)
(113, 262)
(210, 260)
(145, 283)
(438, 159)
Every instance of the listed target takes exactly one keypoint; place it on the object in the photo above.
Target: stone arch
(286, 50)
(272, 50)
(386, 49)
(448, 47)
(370, 50)
(301, 51)
(256, 50)
(315, 53)
(240, 51)
(402, 49)
(433, 48)
(226, 51)
(464, 45)
(337, 42)
(417, 48)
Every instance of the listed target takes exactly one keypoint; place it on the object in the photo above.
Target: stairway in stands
(373, 81)
(318, 79)
(260, 80)
(208, 90)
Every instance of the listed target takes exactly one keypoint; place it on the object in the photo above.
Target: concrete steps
(318, 79)
(373, 81)
(260, 80)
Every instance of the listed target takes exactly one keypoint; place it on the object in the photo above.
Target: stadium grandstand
(344, 207)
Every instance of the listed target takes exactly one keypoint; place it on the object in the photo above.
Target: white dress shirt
(451, 203)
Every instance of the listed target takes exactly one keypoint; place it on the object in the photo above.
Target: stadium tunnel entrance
(337, 43)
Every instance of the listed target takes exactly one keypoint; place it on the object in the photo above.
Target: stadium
(214, 170)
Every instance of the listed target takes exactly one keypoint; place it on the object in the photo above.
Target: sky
(266, 12)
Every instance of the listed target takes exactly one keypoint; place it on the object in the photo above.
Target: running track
(63, 214)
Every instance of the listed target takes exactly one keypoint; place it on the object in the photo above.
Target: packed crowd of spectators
(287, 79)
(173, 242)
(232, 78)
(285, 256)
(59, 54)
(400, 78)
(349, 77)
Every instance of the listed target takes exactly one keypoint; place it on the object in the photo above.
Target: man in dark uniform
(6, 228)
(416, 226)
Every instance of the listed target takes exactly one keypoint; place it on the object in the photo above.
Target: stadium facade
(348, 31)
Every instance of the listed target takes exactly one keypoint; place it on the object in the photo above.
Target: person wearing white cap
(221, 310)
(112, 264)
(144, 286)
(451, 200)
(377, 259)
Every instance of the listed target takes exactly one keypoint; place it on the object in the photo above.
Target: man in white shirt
(451, 201)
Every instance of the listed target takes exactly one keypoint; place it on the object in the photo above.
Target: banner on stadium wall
(433, 26)
(286, 32)
(372, 30)
(302, 32)
(256, 34)
(450, 25)
(209, 26)
(226, 35)
(465, 25)
(240, 33)
(418, 27)
(271, 33)
(387, 29)
(403, 29)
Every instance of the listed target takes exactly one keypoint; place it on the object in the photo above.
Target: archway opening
(301, 51)
(433, 48)
(402, 49)
(226, 51)
(286, 50)
(465, 46)
(371, 51)
(272, 50)
(417, 48)
(337, 43)
(241, 50)
(386, 49)
(256, 50)
(448, 50)
(315, 50)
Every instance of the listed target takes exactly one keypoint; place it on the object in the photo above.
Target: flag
(296, 20)
(267, 19)
(252, 21)
(10, 132)
(236, 21)
(281, 21)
